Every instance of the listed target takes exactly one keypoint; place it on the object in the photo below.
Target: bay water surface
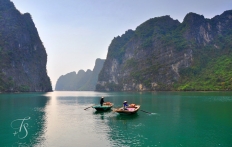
(58, 119)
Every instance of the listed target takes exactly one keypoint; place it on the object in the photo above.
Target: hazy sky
(77, 32)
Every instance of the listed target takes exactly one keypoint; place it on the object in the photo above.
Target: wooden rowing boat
(130, 110)
(104, 107)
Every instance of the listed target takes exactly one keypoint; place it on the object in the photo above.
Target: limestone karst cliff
(82, 81)
(164, 54)
(23, 57)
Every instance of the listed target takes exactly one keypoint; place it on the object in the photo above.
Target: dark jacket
(101, 101)
(125, 105)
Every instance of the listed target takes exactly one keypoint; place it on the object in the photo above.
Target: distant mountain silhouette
(82, 81)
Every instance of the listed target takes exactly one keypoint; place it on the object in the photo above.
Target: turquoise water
(58, 119)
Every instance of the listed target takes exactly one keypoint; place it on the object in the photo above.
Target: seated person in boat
(102, 101)
(125, 105)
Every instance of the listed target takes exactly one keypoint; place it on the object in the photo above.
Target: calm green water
(58, 119)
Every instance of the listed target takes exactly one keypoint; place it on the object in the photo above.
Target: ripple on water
(39, 109)
(220, 99)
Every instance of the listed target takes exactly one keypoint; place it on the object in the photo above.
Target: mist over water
(165, 119)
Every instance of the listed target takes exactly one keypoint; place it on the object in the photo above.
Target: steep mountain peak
(193, 18)
(82, 80)
(20, 51)
(202, 30)
(71, 73)
(163, 53)
(99, 62)
(164, 22)
(88, 71)
(227, 13)
(6, 5)
(27, 15)
(158, 20)
(81, 72)
(224, 16)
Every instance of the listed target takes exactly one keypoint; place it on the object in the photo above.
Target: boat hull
(103, 108)
(126, 113)
(130, 111)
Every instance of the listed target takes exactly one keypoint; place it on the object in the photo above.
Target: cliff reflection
(22, 118)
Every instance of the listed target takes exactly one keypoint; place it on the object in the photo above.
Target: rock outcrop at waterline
(22, 55)
(82, 81)
(164, 54)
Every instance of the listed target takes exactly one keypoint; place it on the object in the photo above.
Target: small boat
(105, 107)
(130, 110)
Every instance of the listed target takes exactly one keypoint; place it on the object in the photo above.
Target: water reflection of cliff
(22, 118)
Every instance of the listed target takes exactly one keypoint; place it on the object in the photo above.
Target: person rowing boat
(102, 101)
(125, 105)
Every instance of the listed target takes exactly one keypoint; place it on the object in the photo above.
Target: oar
(145, 111)
(114, 109)
(88, 107)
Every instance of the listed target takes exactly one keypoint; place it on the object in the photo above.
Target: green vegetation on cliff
(164, 54)
(23, 57)
(212, 67)
(217, 75)
(116, 48)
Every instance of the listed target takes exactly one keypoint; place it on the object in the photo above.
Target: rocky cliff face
(82, 81)
(162, 53)
(22, 55)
